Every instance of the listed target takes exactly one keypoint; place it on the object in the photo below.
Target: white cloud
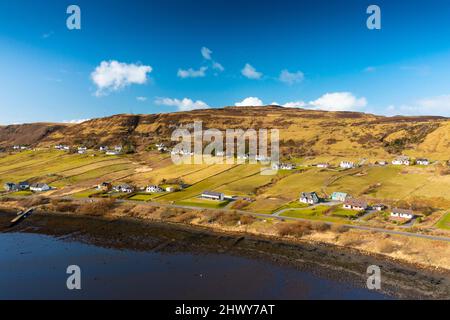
(250, 102)
(217, 66)
(291, 77)
(141, 99)
(191, 73)
(250, 72)
(76, 121)
(295, 104)
(206, 53)
(185, 104)
(438, 105)
(112, 75)
(338, 101)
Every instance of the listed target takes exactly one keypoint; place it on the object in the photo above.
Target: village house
(40, 187)
(104, 186)
(401, 161)
(24, 185)
(323, 165)
(154, 189)
(378, 207)
(283, 166)
(347, 164)
(213, 195)
(402, 213)
(355, 204)
(220, 153)
(82, 150)
(309, 197)
(103, 149)
(112, 153)
(339, 196)
(125, 188)
(381, 163)
(9, 186)
(422, 161)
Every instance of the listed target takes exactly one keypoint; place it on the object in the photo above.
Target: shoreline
(400, 279)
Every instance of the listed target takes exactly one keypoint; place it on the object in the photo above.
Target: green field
(316, 213)
(203, 203)
(444, 223)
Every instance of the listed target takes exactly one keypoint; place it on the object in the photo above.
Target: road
(272, 216)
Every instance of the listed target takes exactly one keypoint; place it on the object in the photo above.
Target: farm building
(9, 186)
(213, 195)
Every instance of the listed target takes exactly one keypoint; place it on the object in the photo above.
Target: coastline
(400, 279)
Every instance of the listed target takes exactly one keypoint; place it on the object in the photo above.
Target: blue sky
(146, 57)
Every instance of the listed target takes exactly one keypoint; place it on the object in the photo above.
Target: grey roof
(403, 211)
(309, 195)
(356, 203)
(212, 193)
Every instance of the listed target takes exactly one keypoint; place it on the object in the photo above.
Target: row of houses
(23, 186)
(82, 149)
(401, 160)
(350, 203)
(127, 188)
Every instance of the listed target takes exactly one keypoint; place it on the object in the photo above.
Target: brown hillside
(302, 132)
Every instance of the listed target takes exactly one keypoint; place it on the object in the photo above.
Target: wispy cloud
(206, 53)
(250, 72)
(47, 35)
(112, 75)
(191, 73)
(438, 105)
(291, 77)
(141, 99)
(185, 104)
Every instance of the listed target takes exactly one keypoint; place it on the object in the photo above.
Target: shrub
(97, 208)
(296, 229)
(247, 219)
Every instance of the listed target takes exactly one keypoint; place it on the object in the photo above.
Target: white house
(126, 188)
(283, 166)
(378, 207)
(82, 150)
(323, 165)
(309, 197)
(423, 162)
(39, 187)
(347, 164)
(402, 213)
(213, 195)
(154, 189)
(103, 148)
(339, 196)
(355, 204)
(382, 163)
(401, 161)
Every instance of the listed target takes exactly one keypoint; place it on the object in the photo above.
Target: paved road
(271, 216)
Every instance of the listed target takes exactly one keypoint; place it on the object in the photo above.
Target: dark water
(34, 266)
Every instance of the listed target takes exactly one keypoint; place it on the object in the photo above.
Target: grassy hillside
(303, 133)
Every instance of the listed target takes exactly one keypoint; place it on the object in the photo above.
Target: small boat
(21, 216)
